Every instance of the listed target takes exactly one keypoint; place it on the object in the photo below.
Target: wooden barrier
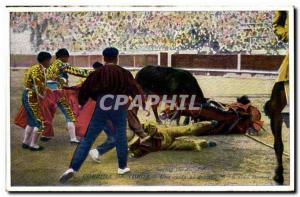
(215, 63)
(22, 60)
(80, 60)
(164, 59)
(138, 60)
(261, 62)
(204, 61)
(141, 60)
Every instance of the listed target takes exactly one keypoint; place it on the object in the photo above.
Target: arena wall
(261, 62)
(204, 61)
(193, 62)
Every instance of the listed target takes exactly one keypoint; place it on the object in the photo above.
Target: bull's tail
(267, 108)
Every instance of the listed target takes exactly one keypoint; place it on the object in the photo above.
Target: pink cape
(83, 115)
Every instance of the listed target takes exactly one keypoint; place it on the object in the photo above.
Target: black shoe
(75, 142)
(211, 144)
(45, 139)
(66, 176)
(25, 146)
(40, 148)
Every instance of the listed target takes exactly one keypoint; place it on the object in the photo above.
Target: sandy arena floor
(236, 160)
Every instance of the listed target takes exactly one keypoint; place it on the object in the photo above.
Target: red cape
(48, 108)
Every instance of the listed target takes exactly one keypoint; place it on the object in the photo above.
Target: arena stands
(214, 32)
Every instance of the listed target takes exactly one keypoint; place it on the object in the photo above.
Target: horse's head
(243, 100)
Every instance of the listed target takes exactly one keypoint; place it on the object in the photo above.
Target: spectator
(87, 32)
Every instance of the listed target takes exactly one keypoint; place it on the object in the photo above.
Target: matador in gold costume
(35, 89)
(57, 78)
(171, 138)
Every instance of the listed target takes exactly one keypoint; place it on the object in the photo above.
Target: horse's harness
(235, 123)
(218, 105)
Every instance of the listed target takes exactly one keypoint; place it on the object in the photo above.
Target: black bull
(157, 80)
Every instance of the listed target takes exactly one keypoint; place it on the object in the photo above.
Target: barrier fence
(255, 64)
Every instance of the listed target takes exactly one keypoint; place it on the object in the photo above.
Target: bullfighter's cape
(48, 105)
(83, 115)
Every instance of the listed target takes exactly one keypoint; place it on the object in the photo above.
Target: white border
(292, 95)
(291, 187)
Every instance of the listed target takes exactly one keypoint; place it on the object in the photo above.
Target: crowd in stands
(211, 32)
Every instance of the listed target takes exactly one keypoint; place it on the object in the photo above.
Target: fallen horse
(235, 118)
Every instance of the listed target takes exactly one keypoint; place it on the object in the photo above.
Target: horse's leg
(176, 116)
(277, 103)
(179, 114)
(186, 120)
(154, 109)
(178, 121)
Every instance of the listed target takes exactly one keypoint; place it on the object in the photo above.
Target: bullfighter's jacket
(58, 71)
(35, 79)
(281, 29)
(35, 87)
